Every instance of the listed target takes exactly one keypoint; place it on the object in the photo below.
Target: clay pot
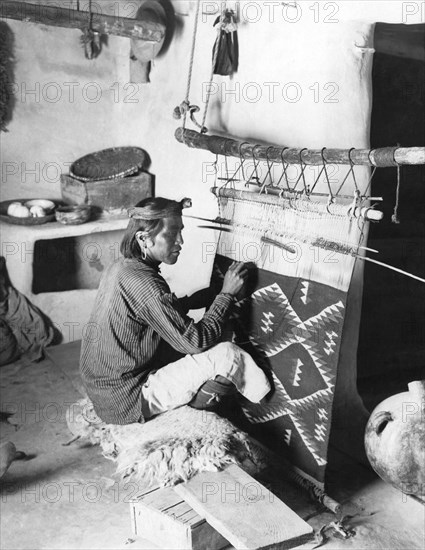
(395, 439)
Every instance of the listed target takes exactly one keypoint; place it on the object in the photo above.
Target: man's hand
(234, 278)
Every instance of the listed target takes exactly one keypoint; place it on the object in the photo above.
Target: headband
(150, 212)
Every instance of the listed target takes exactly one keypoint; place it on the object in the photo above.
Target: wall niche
(73, 263)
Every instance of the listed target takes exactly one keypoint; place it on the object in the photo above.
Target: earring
(143, 246)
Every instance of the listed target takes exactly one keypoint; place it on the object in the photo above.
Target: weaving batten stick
(366, 259)
(215, 228)
(267, 240)
(216, 220)
(361, 157)
(335, 247)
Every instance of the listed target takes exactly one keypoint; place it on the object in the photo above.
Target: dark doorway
(392, 330)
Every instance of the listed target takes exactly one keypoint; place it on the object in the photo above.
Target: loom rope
(284, 174)
(350, 171)
(326, 175)
(256, 162)
(394, 217)
(302, 175)
(269, 167)
(192, 57)
(369, 182)
(242, 160)
(185, 107)
(383, 157)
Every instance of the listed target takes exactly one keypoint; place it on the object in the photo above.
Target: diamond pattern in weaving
(293, 329)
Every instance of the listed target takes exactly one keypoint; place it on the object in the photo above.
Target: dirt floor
(67, 497)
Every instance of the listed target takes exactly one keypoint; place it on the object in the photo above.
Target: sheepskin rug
(171, 447)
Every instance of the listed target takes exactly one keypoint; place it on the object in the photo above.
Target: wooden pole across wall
(56, 16)
(383, 157)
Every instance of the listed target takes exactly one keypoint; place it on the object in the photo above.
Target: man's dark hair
(153, 207)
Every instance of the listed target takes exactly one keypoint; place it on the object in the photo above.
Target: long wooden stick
(73, 19)
(396, 269)
(382, 264)
(271, 198)
(278, 154)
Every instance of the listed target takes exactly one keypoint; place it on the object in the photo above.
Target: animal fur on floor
(170, 448)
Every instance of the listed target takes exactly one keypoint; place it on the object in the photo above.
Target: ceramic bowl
(73, 215)
(30, 220)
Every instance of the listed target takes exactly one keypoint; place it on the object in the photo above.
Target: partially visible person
(142, 354)
(24, 330)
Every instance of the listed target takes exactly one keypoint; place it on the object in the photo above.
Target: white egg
(21, 211)
(12, 207)
(37, 211)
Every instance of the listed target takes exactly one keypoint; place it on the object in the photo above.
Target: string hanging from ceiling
(225, 60)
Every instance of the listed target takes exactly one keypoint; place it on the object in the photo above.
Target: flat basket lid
(115, 162)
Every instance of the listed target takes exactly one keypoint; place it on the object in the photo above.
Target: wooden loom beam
(277, 154)
(56, 16)
(270, 198)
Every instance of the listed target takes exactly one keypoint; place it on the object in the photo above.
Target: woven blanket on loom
(291, 316)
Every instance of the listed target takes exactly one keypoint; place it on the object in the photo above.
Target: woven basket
(116, 162)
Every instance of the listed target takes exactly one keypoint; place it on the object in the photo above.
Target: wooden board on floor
(247, 514)
(163, 517)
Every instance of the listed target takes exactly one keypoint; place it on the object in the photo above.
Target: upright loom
(292, 317)
(302, 240)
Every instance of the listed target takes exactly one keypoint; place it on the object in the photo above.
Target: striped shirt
(134, 314)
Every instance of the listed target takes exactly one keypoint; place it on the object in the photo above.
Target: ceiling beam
(73, 19)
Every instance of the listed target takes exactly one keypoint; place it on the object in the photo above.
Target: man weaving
(145, 355)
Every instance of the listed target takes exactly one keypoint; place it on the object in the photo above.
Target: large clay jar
(395, 440)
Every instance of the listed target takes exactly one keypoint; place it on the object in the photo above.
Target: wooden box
(112, 194)
(164, 518)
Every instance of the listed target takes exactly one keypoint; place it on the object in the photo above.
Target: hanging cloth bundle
(226, 47)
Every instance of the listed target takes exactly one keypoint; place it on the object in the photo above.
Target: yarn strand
(394, 217)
